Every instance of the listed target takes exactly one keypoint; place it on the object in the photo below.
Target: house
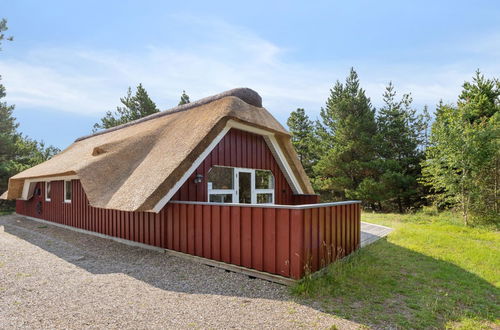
(217, 178)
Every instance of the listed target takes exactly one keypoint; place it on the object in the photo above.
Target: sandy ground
(52, 277)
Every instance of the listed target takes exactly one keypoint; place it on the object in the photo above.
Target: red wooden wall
(283, 241)
(237, 149)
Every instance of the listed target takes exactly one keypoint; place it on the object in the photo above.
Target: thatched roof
(132, 166)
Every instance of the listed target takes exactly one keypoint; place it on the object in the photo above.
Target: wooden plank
(296, 243)
(176, 217)
(322, 241)
(283, 242)
(348, 228)
(225, 227)
(270, 240)
(307, 240)
(183, 229)
(207, 231)
(198, 218)
(170, 226)
(190, 229)
(257, 239)
(328, 234)
(246, 237)
(314, 240)
(215, 239)
(157, 229)
(236, 235)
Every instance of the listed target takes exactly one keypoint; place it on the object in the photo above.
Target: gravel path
(52, 277)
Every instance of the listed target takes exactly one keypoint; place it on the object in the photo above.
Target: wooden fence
(287, 240)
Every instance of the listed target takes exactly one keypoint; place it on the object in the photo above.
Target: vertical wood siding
(287, 242)
(237, 149)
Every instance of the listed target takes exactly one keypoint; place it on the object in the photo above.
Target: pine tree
(303, 139)
(8, 127)
(134, 107)
(348, 131)
(8, 140)
(401, 135)
(184, 98)
(462, 163)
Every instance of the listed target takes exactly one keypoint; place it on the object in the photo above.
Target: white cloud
(90, 81)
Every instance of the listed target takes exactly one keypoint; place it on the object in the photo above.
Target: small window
(221, 198)
(68, 191)
(266, 198)
(264, 179)
(220, 178)
(47, 191)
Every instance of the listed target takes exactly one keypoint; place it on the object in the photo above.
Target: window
(68, 191)
(221, 185)
(47, 191)
(264, 187)
(264, 198)
(264, 179)
(221, 198)
(221, 178)
(240, 185)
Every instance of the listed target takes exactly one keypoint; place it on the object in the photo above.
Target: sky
(71, 61)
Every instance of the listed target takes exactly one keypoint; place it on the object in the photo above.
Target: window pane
(245, 184)
(220, 178)
(47, 191)
(68, 190)
(264, 198)
(221, 198)
(264, 179)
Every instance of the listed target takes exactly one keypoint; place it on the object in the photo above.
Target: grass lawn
(430, 272)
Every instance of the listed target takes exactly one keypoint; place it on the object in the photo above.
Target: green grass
(430, 272)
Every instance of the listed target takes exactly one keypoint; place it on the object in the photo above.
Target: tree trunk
(400, 205)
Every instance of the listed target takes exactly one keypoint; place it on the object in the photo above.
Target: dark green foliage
(184, 98)
(134, 107)
(347, 130)
(8, 140)
(401, 135)
(462, 163)
(303, 138)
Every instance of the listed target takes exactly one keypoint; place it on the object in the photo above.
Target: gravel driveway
(52, 277)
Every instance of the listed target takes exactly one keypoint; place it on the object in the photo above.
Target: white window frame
(224, 191)
(236, 186)
(47, 184)
(265, 191)
(239, 170)
(64, 197)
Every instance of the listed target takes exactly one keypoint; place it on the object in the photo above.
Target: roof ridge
(245, 94)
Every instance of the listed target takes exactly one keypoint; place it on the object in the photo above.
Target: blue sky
(71, 61)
